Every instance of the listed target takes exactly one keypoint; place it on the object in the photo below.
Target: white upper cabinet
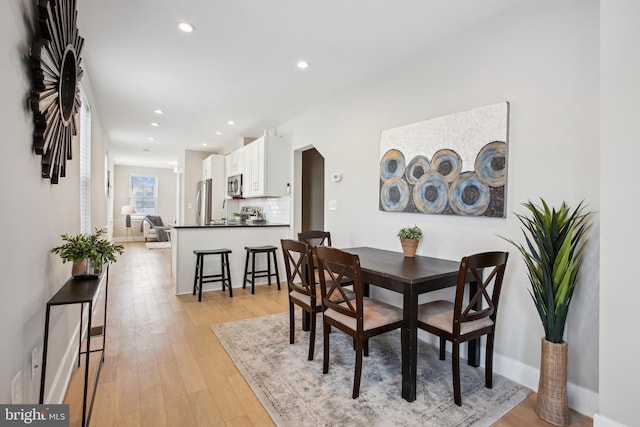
(267, 167)
(235, 162)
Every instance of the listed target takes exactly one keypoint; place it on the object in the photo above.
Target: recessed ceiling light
(154, 124)
(151, 138)
(158, 111)
(218, 133)
(204, 144)
(231, 122)
(186, 27)
(303, 65)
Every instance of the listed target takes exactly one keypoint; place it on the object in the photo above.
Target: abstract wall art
(449, 165)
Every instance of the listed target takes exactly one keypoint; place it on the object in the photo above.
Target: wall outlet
(16, 389)
(34, 362)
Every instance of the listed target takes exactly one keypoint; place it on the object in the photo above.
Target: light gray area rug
(296, 393)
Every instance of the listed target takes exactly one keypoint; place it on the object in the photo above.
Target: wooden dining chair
(298, 259)
(315, 237)
(460, 322)
(361, 317)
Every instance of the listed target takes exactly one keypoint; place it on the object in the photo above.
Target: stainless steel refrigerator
(203, 202)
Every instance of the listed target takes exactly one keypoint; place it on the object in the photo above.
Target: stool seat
(250, 276)
(224, 276)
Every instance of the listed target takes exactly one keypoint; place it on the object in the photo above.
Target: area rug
(158, 245)
(294, 391)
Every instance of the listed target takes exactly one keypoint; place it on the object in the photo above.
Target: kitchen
(242, 199)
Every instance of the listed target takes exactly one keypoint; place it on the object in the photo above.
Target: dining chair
(315, 237)
(303, 292)
(460, 322)
(361, 317)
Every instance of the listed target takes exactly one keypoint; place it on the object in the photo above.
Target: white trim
(602, 421)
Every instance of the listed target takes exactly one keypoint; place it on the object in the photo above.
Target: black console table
(79, 291)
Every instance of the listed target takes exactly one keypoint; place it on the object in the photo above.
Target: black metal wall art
(55, 98)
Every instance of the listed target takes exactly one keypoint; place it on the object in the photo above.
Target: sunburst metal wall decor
(55, 99)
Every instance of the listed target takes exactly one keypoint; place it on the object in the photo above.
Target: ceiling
(240, 63)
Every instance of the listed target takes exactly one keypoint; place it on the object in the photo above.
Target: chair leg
(358, 369)
(312, 336)
(488, 365)
(268, 269)
(292, 324)
(226, 259)
(366, 347)
(195, 277)
(246, 270)
(325, 360)
(455, 367)
(443, 348)
(275, 267)
(253, 273)
(222, 271)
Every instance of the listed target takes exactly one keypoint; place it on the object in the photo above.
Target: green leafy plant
(410, 233)
(555, 241)
(93, 247)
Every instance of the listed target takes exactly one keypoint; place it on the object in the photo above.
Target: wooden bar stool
(224, 276)
(252, 251)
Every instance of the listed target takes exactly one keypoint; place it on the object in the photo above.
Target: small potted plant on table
(409, 239)
(88, 253)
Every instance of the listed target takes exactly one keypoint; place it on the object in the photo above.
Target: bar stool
(224, 276)
(253, 250)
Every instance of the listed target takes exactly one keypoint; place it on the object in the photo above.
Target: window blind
(85, 164)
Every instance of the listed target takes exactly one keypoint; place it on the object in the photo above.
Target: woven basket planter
(409, 247)
(553, 405)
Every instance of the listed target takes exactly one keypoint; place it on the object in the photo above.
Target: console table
(79, 291)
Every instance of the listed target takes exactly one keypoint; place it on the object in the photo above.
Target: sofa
(153, 228)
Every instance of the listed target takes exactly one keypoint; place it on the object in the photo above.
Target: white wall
(191, 164)
(619, 296)
(543, 59)
(166, 196)
(35, 213)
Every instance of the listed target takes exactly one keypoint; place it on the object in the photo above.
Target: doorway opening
(312, 215)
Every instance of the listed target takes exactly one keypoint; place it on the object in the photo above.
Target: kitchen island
(187, 238)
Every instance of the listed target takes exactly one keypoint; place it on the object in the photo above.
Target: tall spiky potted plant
(555, 242)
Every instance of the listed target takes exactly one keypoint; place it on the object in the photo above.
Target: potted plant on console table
(555, 241)
(88, 252)
(409, 239)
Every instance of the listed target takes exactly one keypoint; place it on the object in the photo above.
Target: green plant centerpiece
(88, 252)
(409, 239)
(555, 241)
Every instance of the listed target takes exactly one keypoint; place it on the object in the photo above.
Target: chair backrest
(474, 268)
(315, 237)
(338, 268)
(298, 261)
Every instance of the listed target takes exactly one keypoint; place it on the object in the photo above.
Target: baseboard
(602, 421)
(581, 400)
(60, 384)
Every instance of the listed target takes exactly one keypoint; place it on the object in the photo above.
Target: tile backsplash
(275, 209)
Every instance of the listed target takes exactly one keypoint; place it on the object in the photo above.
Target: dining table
(410, 276)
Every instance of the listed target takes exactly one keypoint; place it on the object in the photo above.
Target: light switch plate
(333, 205)
(16, 389)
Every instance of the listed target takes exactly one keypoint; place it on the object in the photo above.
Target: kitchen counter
(232, 225)
(187, 238)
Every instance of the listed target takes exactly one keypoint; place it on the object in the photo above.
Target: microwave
(234, 186)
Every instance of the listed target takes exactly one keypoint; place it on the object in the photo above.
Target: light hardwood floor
(163, 365)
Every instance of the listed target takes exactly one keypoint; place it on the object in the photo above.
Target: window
(85, 164)
(143, 193)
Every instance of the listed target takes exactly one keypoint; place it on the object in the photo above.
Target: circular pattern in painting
(491, 164)
(394, 195)
(430, 194)
(447, 163)
(417, 167)
(468, 195)
(392, 165)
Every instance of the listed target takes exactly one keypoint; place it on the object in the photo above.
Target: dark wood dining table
(410, 277)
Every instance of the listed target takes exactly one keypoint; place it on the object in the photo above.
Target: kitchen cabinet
(267, 167)
(234, 162)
